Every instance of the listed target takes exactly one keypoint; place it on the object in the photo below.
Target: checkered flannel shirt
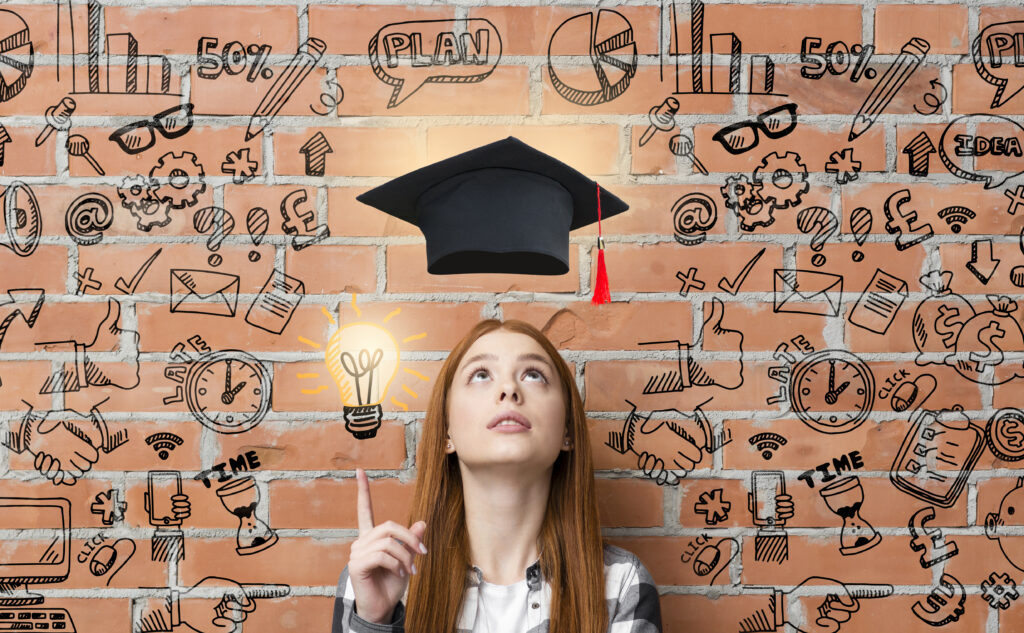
(632, 600)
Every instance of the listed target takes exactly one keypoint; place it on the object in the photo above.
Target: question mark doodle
(256, 222)
(824, 225)
(221, 222)
(860, 223)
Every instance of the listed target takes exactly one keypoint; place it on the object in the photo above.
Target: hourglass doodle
(845, 497)
(241, 497)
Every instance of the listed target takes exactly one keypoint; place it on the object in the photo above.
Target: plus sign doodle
(712, 506)
(1016, 199)
(690, 281)
(999, 590)
(86, 281)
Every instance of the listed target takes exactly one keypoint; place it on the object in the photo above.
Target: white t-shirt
(502, 608)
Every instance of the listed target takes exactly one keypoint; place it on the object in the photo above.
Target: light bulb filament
(366, 364)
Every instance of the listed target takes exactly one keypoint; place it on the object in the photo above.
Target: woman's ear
(566, 444)
(449, 448)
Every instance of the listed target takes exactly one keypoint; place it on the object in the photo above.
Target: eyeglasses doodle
(139, 136)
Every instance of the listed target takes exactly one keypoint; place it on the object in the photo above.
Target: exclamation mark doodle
(257, 221)
(220, 223)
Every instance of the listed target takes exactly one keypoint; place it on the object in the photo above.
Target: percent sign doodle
(233, 59)
(220, 223)
(837, 59)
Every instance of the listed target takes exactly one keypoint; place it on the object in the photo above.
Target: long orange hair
(570, 542)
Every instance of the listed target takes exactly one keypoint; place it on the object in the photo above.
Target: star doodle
(712, 506)
(843, 165)
(239, 166)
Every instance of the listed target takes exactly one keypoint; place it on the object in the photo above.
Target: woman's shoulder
(623, 567)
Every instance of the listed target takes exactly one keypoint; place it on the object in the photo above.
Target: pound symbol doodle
(301, 225)
(926, 539)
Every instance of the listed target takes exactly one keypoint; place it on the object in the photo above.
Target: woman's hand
(381, 559)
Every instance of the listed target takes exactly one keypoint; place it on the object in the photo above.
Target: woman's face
(506, 404)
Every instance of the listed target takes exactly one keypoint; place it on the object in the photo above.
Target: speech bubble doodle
(998, 51)
(966, 138)
(457, 51)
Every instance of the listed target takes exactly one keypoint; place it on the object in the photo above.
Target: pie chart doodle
(14, 42)
(612, 54)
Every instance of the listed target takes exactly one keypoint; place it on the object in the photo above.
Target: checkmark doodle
(130, 286)
(733, 287)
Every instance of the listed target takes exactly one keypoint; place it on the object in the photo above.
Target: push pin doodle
(663, 117)
(58, 117)
(682, 145)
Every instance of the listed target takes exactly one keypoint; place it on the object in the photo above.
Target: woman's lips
(509, 422)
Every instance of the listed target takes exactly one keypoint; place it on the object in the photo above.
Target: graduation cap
(504, 207)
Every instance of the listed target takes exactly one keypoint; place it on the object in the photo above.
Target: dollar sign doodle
(994, 356)
(948, 324)
(1013, 434)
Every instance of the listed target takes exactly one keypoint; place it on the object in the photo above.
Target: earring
(450, 446)
(565, 442)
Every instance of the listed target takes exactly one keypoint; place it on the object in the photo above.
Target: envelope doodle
(808, 292)
(203, 292)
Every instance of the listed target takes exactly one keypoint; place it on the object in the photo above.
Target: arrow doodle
(983, 264)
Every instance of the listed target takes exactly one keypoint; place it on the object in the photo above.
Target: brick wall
(209, 212)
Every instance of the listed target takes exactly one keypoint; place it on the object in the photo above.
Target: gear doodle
(180, 179)
(783, 179)
(136, 193)
(712, 506)
(744, 198)
(843, 165)
(238, 164)
(999, 590)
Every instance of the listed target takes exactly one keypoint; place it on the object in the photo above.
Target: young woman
(504, 535)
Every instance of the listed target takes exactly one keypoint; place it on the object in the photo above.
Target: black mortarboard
(504, 207)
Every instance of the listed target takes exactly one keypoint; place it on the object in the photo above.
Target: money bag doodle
(981, 341)
(939, 318)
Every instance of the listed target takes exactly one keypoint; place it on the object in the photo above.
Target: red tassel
(601, 292)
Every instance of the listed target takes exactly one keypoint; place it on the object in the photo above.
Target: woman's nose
(510, 391)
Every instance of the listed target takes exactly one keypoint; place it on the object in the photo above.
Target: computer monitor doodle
(46, 559)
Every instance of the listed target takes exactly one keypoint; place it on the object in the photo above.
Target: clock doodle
(832, 391)
(227, 391)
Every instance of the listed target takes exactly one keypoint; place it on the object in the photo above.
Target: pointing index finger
(364, 504)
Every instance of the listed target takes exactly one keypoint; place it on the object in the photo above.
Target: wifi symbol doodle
(766, 443)
(164, 443)
(956, 217)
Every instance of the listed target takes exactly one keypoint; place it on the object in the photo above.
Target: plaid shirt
(632, 600)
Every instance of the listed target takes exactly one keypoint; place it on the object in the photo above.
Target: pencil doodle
(288, 81)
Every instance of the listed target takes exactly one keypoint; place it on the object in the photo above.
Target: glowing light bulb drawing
(363, 360)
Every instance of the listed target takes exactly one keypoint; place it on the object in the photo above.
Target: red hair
(572, 555)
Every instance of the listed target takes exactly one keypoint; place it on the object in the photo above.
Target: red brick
(332, 269)
(331, 504)
(347, 30)
(383, 151)
(943, 26)
(294, 446)
(176, 30)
